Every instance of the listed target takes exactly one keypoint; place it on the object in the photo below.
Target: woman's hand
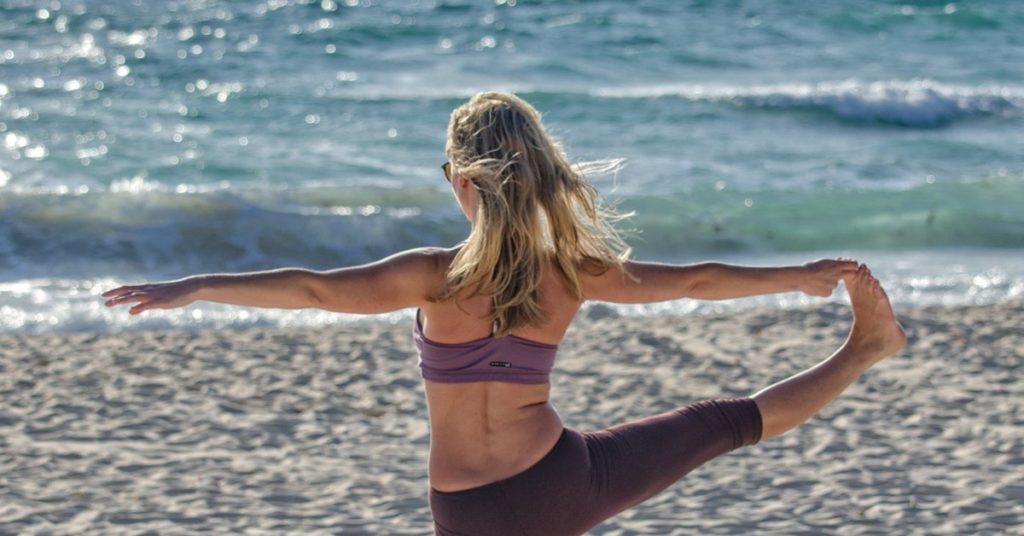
(820, 278)
(167, 295)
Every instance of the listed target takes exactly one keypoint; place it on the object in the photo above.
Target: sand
(323, 431)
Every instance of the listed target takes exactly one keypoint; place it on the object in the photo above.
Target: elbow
(704, 282)
(310, 294)
(699, 290)
(313, 300)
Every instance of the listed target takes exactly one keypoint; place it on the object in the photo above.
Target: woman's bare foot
(876, 333)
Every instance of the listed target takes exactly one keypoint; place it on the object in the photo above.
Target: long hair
(534, 206)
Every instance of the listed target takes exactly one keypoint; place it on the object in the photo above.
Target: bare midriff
(482, 432)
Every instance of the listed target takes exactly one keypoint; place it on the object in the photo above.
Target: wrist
(794, 278)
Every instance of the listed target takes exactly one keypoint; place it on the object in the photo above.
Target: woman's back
(486, 431)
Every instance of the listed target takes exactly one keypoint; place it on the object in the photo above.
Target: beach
(151, 141)
(323, 430)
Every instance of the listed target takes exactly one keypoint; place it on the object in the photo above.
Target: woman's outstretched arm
(402, 280)
(646, 282)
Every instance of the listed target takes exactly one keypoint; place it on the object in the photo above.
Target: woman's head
(528, 204)
(495, 133)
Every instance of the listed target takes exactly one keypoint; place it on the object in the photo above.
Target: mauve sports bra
(502, 359)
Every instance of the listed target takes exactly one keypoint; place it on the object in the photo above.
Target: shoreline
(323, 430)
(949, 277)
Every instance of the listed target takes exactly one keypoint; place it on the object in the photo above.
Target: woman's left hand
(820, 278)
(154, 295)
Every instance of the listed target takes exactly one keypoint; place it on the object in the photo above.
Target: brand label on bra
(505, 364)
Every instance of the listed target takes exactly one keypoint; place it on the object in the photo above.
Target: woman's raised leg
(876, 334)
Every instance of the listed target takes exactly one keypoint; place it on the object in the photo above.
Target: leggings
(587, 478)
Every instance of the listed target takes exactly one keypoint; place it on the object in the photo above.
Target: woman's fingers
(825, 275)
(841, 269)
(152, 303)
(841, 266)
(845, 266)
(126, 298)
(146, 300)
(126, 289)
(114, 292)
(846, 263)
(140, 308)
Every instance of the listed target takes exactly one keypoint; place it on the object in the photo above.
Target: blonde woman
(492, 311)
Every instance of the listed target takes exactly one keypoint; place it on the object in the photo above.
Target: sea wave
(912, 103)
(161, 231)
(169, 232)
(921, 103)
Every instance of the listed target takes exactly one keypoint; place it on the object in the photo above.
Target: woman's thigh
(636, 460)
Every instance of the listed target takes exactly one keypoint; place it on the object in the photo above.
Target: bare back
(482, 432)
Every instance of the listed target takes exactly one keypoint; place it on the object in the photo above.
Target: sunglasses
(447, 168)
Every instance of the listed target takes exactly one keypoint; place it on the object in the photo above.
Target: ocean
(144, 140)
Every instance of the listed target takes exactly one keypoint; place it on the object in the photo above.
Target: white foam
(136, 185)
(919, 102)
(64, 305)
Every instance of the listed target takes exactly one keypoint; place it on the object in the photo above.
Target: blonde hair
(533, 204)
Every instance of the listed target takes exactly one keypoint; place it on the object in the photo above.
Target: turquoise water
(143, 140)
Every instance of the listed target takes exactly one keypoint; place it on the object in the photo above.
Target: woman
(492, 311)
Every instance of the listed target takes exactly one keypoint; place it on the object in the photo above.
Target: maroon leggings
(587, 478)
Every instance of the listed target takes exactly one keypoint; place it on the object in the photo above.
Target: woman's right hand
(168, 295)
(821, 277)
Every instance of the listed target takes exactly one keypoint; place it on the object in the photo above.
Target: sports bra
(502, 359)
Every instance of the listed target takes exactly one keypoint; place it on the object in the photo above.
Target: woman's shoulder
(430, 254)
(435, 261)
(444, 256)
